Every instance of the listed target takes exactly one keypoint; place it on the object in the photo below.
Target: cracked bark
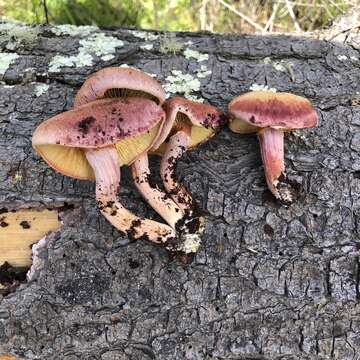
(259, 288)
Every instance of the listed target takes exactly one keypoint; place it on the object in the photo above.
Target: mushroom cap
(129, 124)
(103, 80)
(203, 120)
(259, 109)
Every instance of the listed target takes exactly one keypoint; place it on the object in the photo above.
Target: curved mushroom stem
(176, 147)
(272, 153)
(191, 226)
(104, 162)
(157, 199)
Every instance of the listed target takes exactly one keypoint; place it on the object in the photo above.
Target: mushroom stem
(176, 147)
(158, 200)
(105, 164)
(272, 153)
(191, 225)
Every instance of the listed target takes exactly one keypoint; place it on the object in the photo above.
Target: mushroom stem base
(272, 154)
(105, 164)
(191, 226)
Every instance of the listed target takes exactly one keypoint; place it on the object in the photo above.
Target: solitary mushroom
(270, 115)
(93, 141)
(188, 124)
(128, 82)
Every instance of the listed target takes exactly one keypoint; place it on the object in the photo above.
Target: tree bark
(269, 282)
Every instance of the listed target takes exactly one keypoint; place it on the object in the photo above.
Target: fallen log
(269, 282)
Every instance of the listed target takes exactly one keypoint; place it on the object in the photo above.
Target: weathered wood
(19, 230)
(270, 282)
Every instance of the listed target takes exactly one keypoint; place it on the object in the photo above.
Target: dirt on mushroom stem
(104, 162)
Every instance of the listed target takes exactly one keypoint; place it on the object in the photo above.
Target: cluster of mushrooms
(120, 116)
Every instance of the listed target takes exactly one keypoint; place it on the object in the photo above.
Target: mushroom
(119, 82)
(92, 141)
(188, 124)
(128, 82)
(270, 115)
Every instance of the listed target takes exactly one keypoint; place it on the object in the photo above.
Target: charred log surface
(269, 282)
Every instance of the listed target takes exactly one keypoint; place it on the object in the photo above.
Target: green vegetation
(183, 15)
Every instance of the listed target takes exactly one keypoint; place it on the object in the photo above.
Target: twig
(247, 19)
(337, 6)
(343, 32)
(292, 15)
(46, 12)
(270, 22)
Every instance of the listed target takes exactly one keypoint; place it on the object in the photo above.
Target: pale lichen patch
(41, 89)
(8, 26)
(278, 65)
(179, 83)
(147, 47)
(107, 57)
(193, 54)
(258, 87)
(342, 57)
(73, 30)
(101, 45)
(98, 44)
(170, 45)
(185, 84)
(147, 36)
(18, 34)
(5, 60)
(203, 72)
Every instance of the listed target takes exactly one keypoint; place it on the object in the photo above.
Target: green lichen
(193, 54)
(5, 60)
(170, 45)
(97, 44)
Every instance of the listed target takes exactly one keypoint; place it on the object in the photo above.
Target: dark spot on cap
(85, 124)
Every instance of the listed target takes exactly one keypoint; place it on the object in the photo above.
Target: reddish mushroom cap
(100, 123)
(267, 109)
(97, 84)
(130, 124)
(203, 119)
